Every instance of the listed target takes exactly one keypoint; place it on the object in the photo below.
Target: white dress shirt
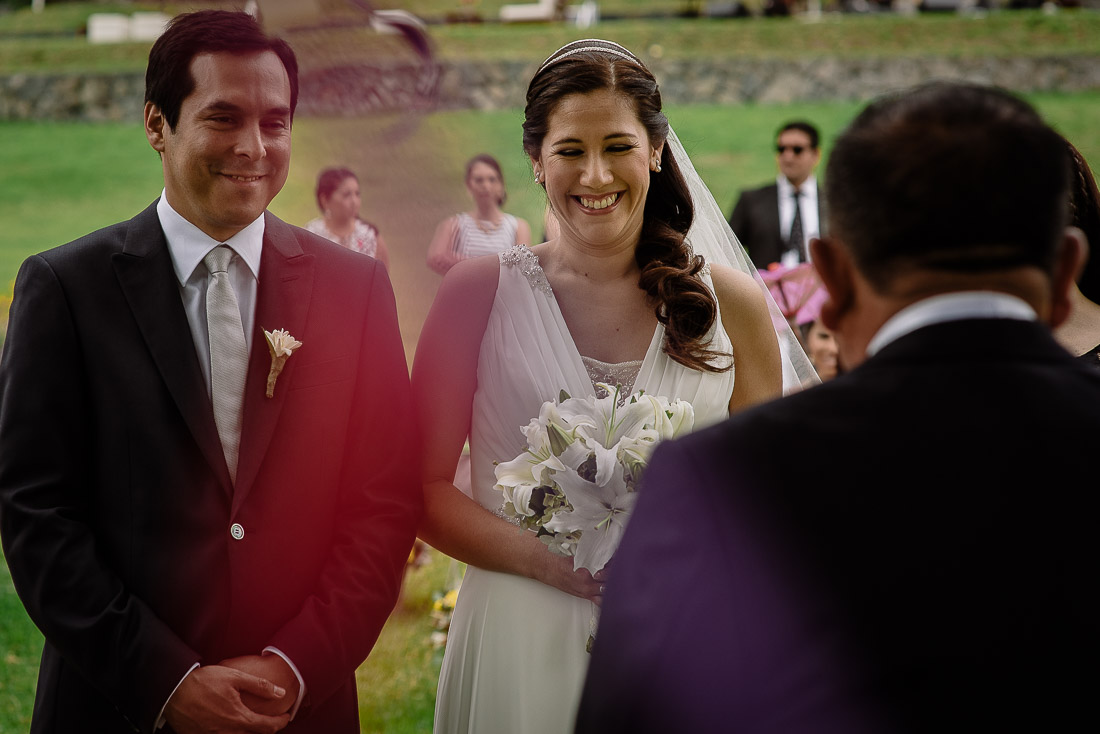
(807, 204)
(950, 307)
(188, 245)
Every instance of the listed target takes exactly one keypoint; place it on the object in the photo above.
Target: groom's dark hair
(951, 177)
(168, 79)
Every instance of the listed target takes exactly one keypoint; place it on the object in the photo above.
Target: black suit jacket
(755, 221)
(909, 547)
(115, 500)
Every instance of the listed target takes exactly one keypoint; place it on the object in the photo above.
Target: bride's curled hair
(669, 271)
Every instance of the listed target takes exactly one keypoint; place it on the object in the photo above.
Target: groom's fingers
(253, 687)
(258, 686)
(269, 668)
(209, 700)
(249, 687)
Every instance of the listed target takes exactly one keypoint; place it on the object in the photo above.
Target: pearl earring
(657, 166)
(536, 176)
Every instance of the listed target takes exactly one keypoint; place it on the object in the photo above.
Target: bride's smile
(599, 204)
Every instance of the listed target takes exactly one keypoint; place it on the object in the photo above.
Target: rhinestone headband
(596, 45)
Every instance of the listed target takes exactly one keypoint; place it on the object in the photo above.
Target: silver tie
(228, 354)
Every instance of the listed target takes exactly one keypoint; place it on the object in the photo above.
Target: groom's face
(229, 154)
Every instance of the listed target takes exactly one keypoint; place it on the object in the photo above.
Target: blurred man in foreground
(909, 547)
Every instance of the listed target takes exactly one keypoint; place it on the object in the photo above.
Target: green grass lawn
(397, 683)
(20, 647)
(61, 180)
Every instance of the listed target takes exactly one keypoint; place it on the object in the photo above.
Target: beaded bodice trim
(528, 263)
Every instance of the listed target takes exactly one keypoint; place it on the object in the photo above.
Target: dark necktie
(796, 241)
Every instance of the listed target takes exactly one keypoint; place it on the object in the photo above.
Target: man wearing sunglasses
(776, 222)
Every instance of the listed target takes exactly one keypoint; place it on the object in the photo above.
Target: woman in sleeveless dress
(338, 198)
(487, 230)
(617, 297)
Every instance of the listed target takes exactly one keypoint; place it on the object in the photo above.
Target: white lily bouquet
(576, 482)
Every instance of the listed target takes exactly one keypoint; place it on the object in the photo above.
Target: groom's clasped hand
(236, 695)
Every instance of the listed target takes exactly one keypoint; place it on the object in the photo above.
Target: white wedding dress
(515, 658)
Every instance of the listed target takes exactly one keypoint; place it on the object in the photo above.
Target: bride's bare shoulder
(465, 298)
(735, 288)
(474, 280)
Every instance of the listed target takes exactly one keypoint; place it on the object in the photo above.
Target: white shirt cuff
(160, 719)
(301, 683)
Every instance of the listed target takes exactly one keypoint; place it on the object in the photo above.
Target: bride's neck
(1081, 331)
(592, 263)
(599, 264)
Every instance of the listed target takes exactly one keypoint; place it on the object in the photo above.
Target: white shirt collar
(188, 244)
(950, 307)
(808, 189)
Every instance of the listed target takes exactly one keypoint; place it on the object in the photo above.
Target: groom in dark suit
(206, 541)
(911, 546)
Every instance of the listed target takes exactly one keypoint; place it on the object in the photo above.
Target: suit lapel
(145, 274)
(283, 298)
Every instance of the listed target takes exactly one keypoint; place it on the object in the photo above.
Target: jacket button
(237, 531)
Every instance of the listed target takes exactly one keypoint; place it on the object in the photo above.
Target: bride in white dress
(619, 298)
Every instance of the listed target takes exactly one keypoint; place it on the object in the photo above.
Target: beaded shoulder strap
(528, 262)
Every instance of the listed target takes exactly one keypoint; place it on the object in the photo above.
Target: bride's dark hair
(681, 301)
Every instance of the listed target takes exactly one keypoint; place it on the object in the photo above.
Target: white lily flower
(600, 512)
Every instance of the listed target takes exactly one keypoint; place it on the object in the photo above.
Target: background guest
(776, 222)
(821, 347)
(818, 339)
(799, 294)
(487, 229)
(338, 199)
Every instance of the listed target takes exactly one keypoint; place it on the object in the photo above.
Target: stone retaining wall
(484, 85)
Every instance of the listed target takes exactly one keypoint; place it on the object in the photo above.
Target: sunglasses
(796, 149)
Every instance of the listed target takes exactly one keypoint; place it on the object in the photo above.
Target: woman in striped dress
(339, 201)
(487, 230)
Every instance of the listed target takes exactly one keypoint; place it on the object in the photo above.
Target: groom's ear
(155, 126)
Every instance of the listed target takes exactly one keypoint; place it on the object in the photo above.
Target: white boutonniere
(281, 345)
